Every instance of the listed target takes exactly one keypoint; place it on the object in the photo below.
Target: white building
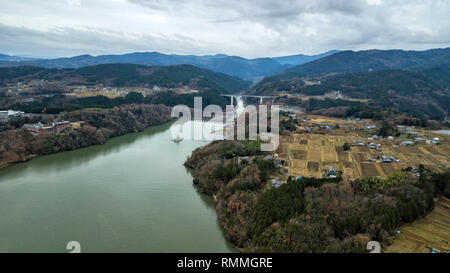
(5, 115)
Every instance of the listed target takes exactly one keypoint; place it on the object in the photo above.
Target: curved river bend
(132, 194)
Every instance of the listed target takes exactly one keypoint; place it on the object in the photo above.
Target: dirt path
(356, 166)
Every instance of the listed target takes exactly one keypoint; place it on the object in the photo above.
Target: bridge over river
(248, 96)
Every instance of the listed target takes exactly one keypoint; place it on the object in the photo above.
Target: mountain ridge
(121, 74)
(231, 65)
(357, 61)
(374, 59)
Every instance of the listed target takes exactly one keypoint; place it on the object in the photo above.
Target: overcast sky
(248, 28)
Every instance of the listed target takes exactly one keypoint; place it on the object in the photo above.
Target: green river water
(132, 194)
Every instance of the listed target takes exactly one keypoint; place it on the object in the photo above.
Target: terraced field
(312, 154)
(431, 232)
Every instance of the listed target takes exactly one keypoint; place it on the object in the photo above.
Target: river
(444, 132)
(131, 194)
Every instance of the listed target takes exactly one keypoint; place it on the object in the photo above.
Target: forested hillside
(409, 92)
(130, 75)
(421, 94)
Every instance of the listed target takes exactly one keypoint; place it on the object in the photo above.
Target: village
(21, 87)
(113, 92)
(39, 88)
(53, 128)
(38, 128)
(324, 147)
(336, 95)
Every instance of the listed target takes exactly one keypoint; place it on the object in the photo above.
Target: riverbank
(19, 145)
(234, 186)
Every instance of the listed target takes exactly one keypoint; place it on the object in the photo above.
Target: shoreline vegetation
(309, 215)
(19, 145)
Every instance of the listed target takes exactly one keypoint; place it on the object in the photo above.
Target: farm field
(431, 232)
(322, 97)
(121, 92)
(312, 154)
(108, 93)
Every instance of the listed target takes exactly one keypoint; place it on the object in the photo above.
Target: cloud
(74, 2)
(249, 28)
(70, 41)
(374, 2)
(312, 26)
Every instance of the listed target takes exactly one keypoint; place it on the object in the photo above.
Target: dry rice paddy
(431, 232)
(312, 154)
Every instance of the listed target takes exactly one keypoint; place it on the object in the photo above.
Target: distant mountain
(302, 59)
(351, 61)
(131, 75)
(8, 58)
(241, 67)
(231, 65)
(371, 60)
(414, 82)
